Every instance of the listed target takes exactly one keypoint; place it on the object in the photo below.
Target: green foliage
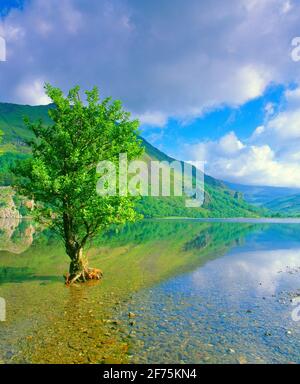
(219, 200)
(218, 204)
(7, 161)
(12, 123)
(61, 174)
(20, 203)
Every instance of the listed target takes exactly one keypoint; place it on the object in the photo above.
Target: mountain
(11, 121)
(287, 206)
(220, 201)
(262, 195)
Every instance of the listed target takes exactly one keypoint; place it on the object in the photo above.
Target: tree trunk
(79, 270)
(78, 264)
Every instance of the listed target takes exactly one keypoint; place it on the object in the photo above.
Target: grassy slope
(219, 200)
(11, 121)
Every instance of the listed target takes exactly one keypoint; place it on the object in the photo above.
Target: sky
(209, 81)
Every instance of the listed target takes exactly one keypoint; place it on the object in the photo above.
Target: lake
(174, 291)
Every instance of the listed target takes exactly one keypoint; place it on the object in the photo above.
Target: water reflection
(201, 292)
(236, 308)
(16, 235)
(259, 272)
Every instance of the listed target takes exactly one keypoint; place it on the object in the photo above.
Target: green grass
(12, 124)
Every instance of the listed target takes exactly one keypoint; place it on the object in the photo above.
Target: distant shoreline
(261, 220)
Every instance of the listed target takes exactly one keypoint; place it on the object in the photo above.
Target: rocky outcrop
(8, 208)
(16, 235)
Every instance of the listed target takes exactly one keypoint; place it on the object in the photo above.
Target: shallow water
(174, 291)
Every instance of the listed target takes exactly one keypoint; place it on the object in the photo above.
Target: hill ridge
(220, 201)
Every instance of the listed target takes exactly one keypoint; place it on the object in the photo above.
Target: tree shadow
(23, 274)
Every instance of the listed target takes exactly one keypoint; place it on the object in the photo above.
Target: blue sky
(7, 5)
(214, 124)
(212, 81)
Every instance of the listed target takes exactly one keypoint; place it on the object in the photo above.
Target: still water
(174, 291)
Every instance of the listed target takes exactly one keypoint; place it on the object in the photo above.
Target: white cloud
(255, 165)
(156, 119)
(229, 144)
(33, 92)
(162, 60)
(255, 271)
(257, 132)
(287, 6)
(270, 156)
(252, 83)
(286, 125)
(169, 60)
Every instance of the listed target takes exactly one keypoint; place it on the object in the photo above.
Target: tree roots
(83, 276)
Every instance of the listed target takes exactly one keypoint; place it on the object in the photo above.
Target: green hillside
(11, 121)
(287, 206)
(220, 201)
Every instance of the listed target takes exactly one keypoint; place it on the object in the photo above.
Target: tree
(1, 136)
(61, 175)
